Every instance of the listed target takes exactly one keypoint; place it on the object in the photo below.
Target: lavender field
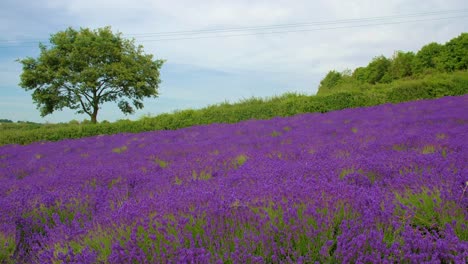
(385, 184)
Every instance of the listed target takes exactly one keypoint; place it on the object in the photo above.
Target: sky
(225, 50)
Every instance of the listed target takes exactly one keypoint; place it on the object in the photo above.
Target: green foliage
(377, 70)
(454, 55)
(426, 58)
(275, 134)
(429, 213)
(402, 63)
(331, 80)
(83, 69)
(7, 248)
(120, 150)
(155, 236)
(334, 79)
(163, 164)
(66, 212)
(359, 74)
(431, 59)
(433, 86)
(240, 160)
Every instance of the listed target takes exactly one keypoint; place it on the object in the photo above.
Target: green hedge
(449, 84)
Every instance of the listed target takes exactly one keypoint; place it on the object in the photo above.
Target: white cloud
(286, 52)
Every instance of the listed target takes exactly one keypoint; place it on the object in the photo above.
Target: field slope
(379, 184)
(289, 104)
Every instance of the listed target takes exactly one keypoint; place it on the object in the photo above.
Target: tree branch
(68, 88)
(109, 93)
(83, 106)
(88, 97)
(101, 87)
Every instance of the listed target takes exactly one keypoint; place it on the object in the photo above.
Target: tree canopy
(82, 69)
(431, 58)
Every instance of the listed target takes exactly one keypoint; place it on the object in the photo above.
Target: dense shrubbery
(432, 86)
(432, 58)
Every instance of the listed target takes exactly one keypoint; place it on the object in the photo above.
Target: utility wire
(205, 31)
(302, 30)
(275, 29)
(308, 24)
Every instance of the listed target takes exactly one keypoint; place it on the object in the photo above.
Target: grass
(202, 175)
(428, 149)
(240, 160)
(156, 236)
(427, 212)
(120, 150)
(7, 248)
(163, 164)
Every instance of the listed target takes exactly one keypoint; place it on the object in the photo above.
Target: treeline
(430, 59)
(430, 86)
(11, 122)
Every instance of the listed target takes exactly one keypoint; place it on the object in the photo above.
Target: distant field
(384, 184)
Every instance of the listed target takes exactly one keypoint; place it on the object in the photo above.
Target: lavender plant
(384, 184)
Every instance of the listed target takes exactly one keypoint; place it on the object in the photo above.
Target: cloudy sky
(226, 50)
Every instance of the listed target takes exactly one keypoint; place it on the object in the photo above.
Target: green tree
(426, 58)
(83, 69)
(331, 80)
(377, 69)
(360, 74)
(402, 63)
(454, 55)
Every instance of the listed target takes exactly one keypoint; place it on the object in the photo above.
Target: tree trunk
(94, 115)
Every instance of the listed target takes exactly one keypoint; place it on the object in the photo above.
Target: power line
(301, 30)
(318, 23)
(277, 29)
